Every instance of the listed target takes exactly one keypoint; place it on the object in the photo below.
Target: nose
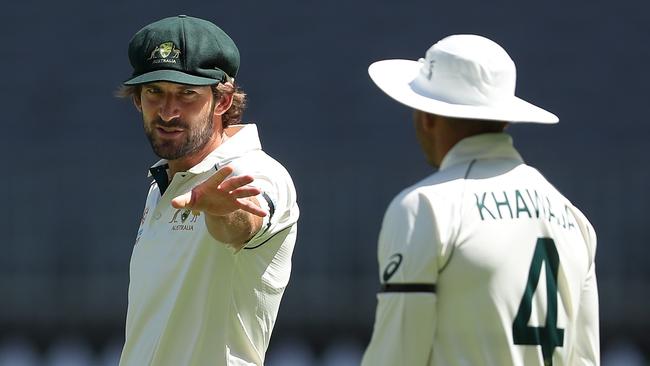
(169, 109)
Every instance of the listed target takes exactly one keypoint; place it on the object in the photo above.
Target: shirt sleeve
(278, 199)
(587, 332)
(587, 349)
(403, 331)
(405, 319)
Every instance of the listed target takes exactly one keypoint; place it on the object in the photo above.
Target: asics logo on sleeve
(394, 262)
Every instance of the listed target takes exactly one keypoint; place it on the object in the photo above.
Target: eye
(188, 91)
(151, 90)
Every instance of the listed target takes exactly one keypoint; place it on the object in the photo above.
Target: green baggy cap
(182, 50)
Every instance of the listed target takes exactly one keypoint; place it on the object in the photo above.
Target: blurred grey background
(75, 157)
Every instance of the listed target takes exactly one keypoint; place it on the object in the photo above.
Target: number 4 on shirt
(548, 336)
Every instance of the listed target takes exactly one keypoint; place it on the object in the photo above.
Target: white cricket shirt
(193, 300)
(485, 263)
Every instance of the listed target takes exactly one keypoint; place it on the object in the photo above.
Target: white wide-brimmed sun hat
(461, 76)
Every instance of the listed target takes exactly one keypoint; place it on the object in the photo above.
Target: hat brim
(394, 77)
(172, 76)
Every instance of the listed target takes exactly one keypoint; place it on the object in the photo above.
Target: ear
(428, 122)
(424, 122)
(223, 104)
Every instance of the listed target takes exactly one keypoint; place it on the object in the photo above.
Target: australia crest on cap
(166, 52)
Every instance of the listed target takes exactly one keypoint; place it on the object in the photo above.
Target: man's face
(178, 119)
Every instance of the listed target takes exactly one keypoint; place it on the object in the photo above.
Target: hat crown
(467, 70)
(185, 45)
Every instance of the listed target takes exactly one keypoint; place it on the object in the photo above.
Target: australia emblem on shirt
(180, 220)
(142, 221)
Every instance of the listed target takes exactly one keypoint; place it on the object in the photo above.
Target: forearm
(235, 228)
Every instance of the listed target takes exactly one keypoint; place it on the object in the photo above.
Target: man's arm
(404, 330)
(405, 320)
(233, 214)
(587, 349)
(236, 228)
(587, 352)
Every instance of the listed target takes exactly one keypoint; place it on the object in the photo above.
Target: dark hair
(231, 117)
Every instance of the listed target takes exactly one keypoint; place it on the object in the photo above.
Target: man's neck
(187, 162)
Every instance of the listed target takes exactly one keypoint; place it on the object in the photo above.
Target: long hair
(234, 114)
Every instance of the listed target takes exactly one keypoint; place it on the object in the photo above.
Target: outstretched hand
(221, 195)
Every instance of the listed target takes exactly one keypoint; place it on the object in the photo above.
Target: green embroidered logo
(184, 214)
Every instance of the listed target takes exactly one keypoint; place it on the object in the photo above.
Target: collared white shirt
(196, 301)
(485, 263)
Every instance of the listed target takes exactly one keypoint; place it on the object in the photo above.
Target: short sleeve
(278, 199)
(405, 318)
(408, 242)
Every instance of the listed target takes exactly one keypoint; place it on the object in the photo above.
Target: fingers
(221, 174)
(221, 194)
(245, 192)
(182, 201)
(251, 207)
(233, 183)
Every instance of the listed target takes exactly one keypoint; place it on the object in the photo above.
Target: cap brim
(172, 76)
(394, 77)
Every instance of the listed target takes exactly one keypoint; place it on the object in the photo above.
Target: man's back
(512, 262)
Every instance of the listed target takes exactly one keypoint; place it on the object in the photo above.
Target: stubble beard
(196, 137)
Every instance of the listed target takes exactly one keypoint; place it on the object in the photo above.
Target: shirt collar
(483, 146)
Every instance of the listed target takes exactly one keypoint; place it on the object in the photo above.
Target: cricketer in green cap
(212, 256)
(184, 50)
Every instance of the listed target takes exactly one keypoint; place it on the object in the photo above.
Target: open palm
(221, 195)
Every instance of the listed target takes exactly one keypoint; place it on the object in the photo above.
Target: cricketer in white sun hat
(461, 76)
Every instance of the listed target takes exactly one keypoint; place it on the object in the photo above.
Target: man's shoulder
(437, 189)
(261, 165)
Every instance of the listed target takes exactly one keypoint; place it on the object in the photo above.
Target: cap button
(182, 16)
